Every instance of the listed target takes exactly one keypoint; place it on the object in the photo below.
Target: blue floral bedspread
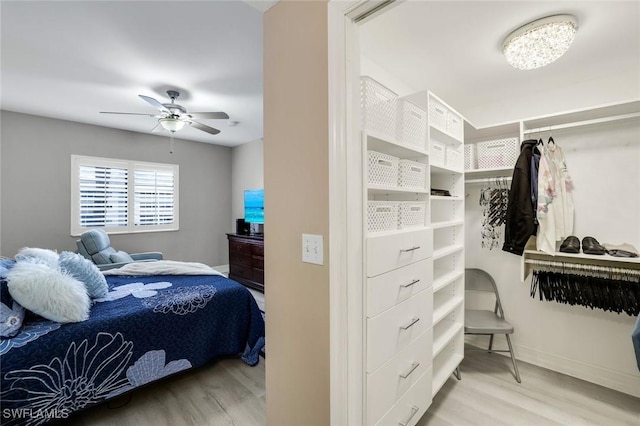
(146, 329)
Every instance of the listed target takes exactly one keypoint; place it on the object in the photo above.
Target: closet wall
(590, 344)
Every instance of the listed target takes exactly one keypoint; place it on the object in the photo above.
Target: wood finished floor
(228, 392)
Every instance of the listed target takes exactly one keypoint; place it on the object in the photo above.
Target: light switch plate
(312, 249)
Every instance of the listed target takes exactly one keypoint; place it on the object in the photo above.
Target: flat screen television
(254, 205)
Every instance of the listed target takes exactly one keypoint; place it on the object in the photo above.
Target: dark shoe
(591, 246)
(570, 245)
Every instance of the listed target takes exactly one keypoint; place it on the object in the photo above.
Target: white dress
(555, 199)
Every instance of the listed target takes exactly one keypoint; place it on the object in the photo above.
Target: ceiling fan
(173, 117)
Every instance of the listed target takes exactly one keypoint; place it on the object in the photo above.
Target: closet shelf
(445, 198)
(441, 374)
(488, 173)
(447, 224)
(382, 189)
(442, 252)
(530, 256)
(394, 148)
(444, 137)
(444, 169)
(440, 342)
(443, 281)
(446, 309)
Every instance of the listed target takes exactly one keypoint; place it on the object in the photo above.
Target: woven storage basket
(470, 157)
(379, 109)
(438, 115)
(455, 125)
(454, 158)
(412, 125)
(437, 153)
(412, 174)
(412, 214)
(382, 216)
(383, 169)
(498, 153)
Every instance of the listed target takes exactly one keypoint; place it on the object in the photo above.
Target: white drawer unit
(411, 338)
(395, 328)
(408, 410)
(391, 288)
(394, 250)
(395, 377)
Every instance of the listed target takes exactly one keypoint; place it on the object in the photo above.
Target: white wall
(247, 172)
(590, 344)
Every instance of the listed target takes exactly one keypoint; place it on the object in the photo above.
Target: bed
(146, 328)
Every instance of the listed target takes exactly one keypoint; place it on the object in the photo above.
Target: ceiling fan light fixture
(171, 124)
(540, 42)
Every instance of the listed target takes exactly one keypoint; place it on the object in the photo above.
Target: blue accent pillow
(84, 271)
(5, 265)
(11, 312)
(120, 256)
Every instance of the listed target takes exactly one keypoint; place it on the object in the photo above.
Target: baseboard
(591, 373)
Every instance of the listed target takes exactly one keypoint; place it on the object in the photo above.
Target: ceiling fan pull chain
(171, 143)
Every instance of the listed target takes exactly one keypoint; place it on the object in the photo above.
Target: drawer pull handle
(413, 367)
(409, 249)
(414, 410)
(410, 284)
(413, 321)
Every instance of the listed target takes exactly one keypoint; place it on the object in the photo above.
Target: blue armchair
(96, 246)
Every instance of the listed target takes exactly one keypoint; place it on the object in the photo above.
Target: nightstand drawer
(257, 249)
(241, 260)
(239, 247)
(241, 272)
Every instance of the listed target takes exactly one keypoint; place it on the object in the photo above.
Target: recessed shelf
(441, 342)
(444, 137)
(445, 198)
(444, 169)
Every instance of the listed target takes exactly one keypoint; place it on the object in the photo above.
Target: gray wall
(35, 187)
(247, 173)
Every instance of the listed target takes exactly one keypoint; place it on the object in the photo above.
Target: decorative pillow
(5, 265)
(11, 313)
(48, 292)
(49, 257)
(120, 256)
(86, 272)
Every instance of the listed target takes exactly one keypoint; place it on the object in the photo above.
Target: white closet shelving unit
(413, 268)
(445, 132)
(397, 260)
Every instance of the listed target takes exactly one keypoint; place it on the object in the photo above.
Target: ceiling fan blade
(204, 128)
(155, 104)
(157, 128)
(211, 115)
(128, 113)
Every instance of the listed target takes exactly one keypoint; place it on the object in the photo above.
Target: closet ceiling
(454, 49)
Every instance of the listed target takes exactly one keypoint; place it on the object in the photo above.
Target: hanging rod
(585, 268)
(488, 180)
(582, 123)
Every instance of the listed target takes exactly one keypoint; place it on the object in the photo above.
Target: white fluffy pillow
(48, 292)
(49, 257)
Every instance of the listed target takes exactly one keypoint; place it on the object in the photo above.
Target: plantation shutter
(103, 196)
(154, 196)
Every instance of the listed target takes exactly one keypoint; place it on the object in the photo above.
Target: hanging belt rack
(608, 272)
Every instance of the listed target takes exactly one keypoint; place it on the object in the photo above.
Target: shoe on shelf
(591, 246)
(571, 244)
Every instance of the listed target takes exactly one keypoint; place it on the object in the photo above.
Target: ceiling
(453, 48)
(70, 60)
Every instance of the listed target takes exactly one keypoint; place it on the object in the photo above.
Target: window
(123, 196)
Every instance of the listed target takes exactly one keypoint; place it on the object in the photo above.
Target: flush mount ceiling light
(540, 42)
(171, 124)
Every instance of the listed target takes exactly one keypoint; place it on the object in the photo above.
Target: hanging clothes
(519, 222)
(493, 201)
(555, 199)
